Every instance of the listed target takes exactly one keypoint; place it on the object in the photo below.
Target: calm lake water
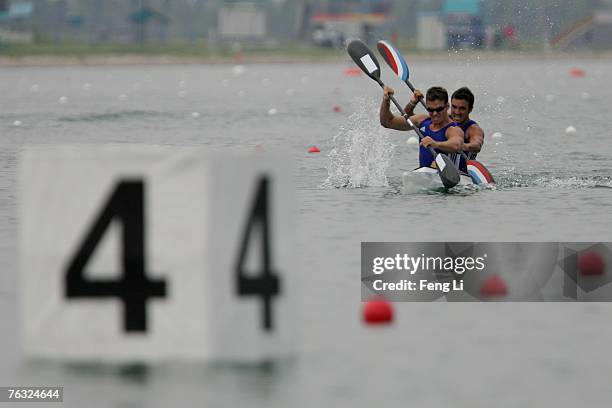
(552, 186)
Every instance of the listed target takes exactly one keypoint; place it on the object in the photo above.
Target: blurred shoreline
(42, 57)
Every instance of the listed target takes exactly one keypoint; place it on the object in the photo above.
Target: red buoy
(337, 109)
(378, 311)
(314, 149)
(352, 71)
(591, 264)
(494, 286)
(577, 73)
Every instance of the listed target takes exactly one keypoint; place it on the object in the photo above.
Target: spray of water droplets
(361, 152)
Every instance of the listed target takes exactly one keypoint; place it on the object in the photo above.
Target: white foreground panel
(133, 254)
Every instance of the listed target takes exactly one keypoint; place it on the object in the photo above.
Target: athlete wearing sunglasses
(439, 131)
(462, 103)
(435, 110)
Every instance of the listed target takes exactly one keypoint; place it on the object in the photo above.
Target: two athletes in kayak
(447, 134)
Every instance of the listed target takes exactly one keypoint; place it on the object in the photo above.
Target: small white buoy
(570, 129)
(182, 94)
(304, 80)
(17, 123)
(63, 99)
(550, 98)
(182, 84)
(290, 92)
(195, 114)
(87, 87)
(266, 82)
(238, 70)
(535, 154)
(501, 99)
(272, 111)
(123, 97)
(497, 135)
(585, 95)
(412, 140)
(34, 88)
(241, 94)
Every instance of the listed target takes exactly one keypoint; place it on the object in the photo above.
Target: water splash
(361, 152)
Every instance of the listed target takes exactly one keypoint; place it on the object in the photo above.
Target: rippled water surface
(552, 186)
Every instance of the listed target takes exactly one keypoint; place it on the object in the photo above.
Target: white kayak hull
(426, 178)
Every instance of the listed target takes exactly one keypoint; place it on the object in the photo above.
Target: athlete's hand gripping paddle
(477, 171)
(365, 59)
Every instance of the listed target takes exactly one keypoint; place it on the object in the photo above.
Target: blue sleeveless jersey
(425, 156)
(470, 155)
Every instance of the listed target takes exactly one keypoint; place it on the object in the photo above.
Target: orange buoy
(378, 311)
(494, 286)
(591, 264)
(352, 71)
(314, 149)
(577, 73)
(337, 109)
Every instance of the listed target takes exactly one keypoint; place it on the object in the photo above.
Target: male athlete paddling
(462, 103)
(439, 131)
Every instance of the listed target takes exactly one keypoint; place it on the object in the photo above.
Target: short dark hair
(437, 93)
(465, 94)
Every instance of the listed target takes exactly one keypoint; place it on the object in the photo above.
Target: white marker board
(133, 253)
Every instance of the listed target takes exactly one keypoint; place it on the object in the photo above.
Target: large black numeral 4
(266, 284)
(126, 204)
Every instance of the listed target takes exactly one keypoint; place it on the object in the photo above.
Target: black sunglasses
(437, 110)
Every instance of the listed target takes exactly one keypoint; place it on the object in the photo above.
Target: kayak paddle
(366, 60)
(477, 171)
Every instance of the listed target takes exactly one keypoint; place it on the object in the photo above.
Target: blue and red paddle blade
(394, 59)
(479, 173)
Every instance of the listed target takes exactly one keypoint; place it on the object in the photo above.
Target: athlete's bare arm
(414, 101)
(453, 144)
(388, 119)
(475, 137)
